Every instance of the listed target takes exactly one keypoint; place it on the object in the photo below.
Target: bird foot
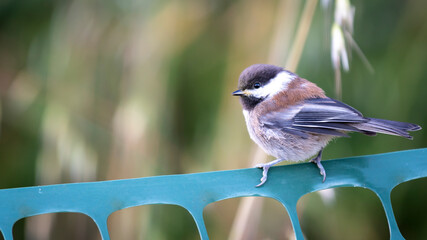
(265, 168)
(317, 160)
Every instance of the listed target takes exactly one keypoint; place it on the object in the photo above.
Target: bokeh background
(100, 90)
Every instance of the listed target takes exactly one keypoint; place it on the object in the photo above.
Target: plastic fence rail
(379, 173)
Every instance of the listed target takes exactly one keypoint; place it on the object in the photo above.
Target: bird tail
(375, 125)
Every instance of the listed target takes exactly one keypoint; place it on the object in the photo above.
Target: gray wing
(318, 115)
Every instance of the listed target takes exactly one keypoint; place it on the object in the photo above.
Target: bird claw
(265, 168)
(322, 171)
(317, 160)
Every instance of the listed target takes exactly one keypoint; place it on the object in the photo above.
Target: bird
(292, 119)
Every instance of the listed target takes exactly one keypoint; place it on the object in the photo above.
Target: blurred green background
(99, 90)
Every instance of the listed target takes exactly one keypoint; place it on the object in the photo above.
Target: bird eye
(257, 85)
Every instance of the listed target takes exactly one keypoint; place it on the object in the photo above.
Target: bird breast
(283, 145)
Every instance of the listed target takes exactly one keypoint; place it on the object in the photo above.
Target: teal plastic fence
(379, 173)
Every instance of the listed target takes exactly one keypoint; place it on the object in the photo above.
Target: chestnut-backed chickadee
(292, 119)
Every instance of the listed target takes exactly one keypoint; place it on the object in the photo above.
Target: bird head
(261, 81)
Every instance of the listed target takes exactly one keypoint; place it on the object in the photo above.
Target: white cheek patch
(276, 85)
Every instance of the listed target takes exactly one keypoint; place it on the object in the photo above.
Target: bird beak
(238, 93)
